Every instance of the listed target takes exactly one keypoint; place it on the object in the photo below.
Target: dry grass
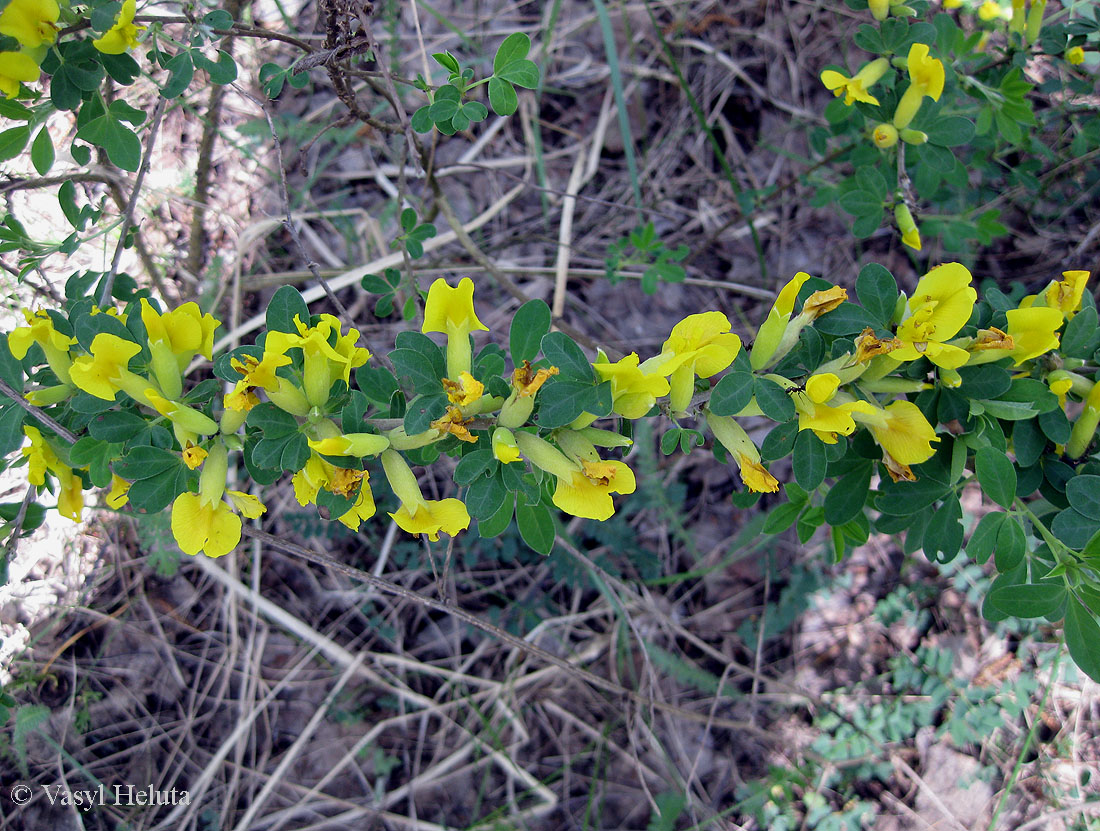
(286, 695)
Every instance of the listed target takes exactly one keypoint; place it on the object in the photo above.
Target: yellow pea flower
(451, 311)
(940, 306)
(55, 346)
(633, 391)
(31, 22)
(745, 454)
(15, 67)
(324, 363)
(855, 88)
(418, 515)
(200, 527)
(1075, 55)
(351, 444)
(123, 34)
(584, 486)
(465, 391)
(518, 407)
(771, 330)
(903, 433)
(193, 456)
(910, 234)
(989, 11)
(926, 78)
(884, 136)
(700, 344)
(175, 338)
(815, 412)
(505, 449)
(1064, 294)
(119, 493)
(1031, 332)
(41, 457)
(105, 371)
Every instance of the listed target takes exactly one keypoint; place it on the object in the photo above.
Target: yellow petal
(450, 310)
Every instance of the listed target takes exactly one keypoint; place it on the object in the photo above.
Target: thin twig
(37, 413)
(131, 206)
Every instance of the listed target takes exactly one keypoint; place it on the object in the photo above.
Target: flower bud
(1035, 19)
(911, 136)
(884, 136)
(1075, 55)
(910, 235)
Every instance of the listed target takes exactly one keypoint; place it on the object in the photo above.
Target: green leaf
(984, 539)
(996, 476)
(561, 401)
(529, 326)
(773, 400)
(950, 131)
(42, 154)
(11, 429)
(562, 352)
(422, 119)
(536, 526)
(271, 422)
(1083, 639)
(521, 73)
(514, 48)
(732, 393)
(1011, 544)
(877, 292)
(11, 370)
(846, 498)
(847, 319)
(905, 498)
(121, 144)
(447, 61)
(116, 427)
(943, 536)
(1074, 528)
(1083, 493)
(12, 142)
(498, 523)
(860, 203)
(985, 381)
(1082, 334)
(423, 410)
(485, 496)
(181, 70)
(157, 492)
(502, 96)
(144, 462)
(782, 517)
(442, 110)
(475, 464)
(220, 72)
(1029, 600)
(779, 442)
(809, 460)
(284, 305)
(415, 369)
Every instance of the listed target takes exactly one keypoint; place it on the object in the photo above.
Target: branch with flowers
(886, 408)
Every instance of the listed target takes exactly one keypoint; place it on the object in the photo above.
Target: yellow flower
(902, 431)
(16, 67)
(884, 136)
(248, 505)
(505, 449)
(952, 4)
(209, 528)
(193, 456)
(733, 437)
(182, 416)
(1060, 383)
(817, 414)
(351, 444)
(119, 493)
(324, 363)
(855, 88)
(105, 372)
(1075, 55)
(989, 11)
(31, 22)
(633, 391)
(451, 311)
(868, 346)
(700, 344)
(258, 374)
(363, 508)
(455, 423)
(910, 234)
(926, 78)
(185, 330)
(70, 501)
(55, 346)
(40, 456)
(940, 306)
(465, 391)
(123, 35)
(1031, 332)
(772, 329)
(1066, 294)
(821, 302)
(418, 515)
(587, 492)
